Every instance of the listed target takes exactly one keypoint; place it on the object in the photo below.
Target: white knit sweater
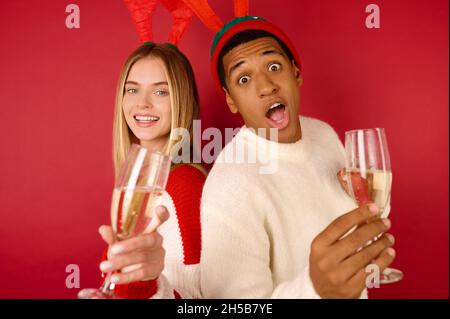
(257, 228)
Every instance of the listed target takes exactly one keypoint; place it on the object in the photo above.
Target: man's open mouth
(278, 116)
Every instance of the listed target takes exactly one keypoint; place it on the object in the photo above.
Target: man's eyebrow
(237, 65)
(234, 67)
(269, 52)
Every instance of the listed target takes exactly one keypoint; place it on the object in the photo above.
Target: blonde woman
(156, 94)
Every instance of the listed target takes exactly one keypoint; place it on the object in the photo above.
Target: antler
(141, 12)
(181, 15)
(205, 13)
(241, 8)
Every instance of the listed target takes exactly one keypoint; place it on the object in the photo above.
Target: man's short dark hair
(244, 37)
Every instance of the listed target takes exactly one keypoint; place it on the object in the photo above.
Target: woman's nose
(144, 101)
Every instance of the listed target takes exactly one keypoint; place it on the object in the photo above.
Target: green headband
(227, 27)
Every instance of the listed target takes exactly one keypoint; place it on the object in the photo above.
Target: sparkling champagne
(138, 190)
(132, 210)
(369, 176)
(372, 187)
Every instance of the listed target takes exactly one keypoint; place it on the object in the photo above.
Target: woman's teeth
(146, 118)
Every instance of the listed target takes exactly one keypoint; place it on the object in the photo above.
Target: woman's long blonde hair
(183, 97)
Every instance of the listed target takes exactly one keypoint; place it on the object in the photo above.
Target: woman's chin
(146, 138)
(152, 140)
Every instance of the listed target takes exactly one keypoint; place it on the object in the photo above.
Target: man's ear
(297, 74)
(230, 102)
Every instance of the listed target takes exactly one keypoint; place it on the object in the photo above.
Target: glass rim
(365, 130)
(139, 146)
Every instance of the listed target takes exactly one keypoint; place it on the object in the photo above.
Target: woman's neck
(157, 144)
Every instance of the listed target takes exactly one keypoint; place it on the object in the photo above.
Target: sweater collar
(293, 152)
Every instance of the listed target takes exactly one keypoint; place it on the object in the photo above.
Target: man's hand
(139, 258)
(343, 181)
(337, 263)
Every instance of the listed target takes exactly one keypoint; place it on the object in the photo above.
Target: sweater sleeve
(236, 251)
(185, 187)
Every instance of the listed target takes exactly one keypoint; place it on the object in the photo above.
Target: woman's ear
(230, 102)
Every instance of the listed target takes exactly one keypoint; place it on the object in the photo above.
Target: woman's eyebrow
(161, 83)
(132, 82)
(154, 84)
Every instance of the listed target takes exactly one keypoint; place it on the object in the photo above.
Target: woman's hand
(138, 258)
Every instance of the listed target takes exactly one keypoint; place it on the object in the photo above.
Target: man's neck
(295, 136)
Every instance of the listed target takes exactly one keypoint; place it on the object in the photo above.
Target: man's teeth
(275, 105)
(146, 118)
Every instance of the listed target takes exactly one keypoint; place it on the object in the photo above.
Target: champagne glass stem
(107, 287)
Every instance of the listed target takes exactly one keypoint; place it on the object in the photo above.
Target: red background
(57, 93)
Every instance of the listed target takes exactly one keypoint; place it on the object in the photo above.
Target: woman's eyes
(161, 93)
(131, 91)
(157, 92)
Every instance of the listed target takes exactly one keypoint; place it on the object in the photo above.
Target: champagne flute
(137, 192)
(369, 176)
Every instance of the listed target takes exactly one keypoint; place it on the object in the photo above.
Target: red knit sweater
(185, 186)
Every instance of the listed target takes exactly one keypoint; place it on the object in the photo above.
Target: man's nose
(266, 85)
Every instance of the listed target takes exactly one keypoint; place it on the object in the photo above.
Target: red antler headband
(241, 22)
(142, 13)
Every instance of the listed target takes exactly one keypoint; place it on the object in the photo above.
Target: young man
(284, 234)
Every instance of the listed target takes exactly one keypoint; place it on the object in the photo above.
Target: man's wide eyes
(244, 79)
(274, 66)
